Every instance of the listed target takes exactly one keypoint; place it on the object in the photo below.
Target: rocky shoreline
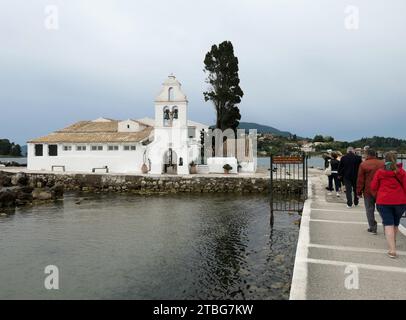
(11, 164)
(19, 190)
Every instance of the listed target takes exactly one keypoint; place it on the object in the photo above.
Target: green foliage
(15, 151)
(278, 146)
(335, 145)
(5, 147)
(318, 138)
(221, 65)
(381, 143)
(227, 167)
(377, 143)
(8, 148)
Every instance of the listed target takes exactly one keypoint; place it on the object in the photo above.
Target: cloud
(300, 69)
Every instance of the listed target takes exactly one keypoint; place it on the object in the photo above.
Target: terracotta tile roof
(93, 132)
(91, 126)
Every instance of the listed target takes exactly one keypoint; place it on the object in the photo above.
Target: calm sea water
(18, 160)
(149, 247)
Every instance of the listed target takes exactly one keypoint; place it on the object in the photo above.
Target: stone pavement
(337, 258)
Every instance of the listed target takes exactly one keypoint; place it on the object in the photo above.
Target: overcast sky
(301, 69)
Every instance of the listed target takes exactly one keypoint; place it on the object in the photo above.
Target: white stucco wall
(129, 126)
(249, 167)
(216, 164)
(164, 139)
(84, 161)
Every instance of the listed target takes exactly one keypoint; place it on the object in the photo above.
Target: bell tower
(171, 105)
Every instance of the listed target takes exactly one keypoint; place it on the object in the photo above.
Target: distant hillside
(263, 129)
(382, 143)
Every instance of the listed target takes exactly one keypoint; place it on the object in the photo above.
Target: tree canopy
(383, 143)
(8, 148)
(221, 66)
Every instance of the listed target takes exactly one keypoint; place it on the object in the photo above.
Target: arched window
(170, 94)
(167, 116)
(175, 112)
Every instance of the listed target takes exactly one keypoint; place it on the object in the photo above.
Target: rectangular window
(39, 150)
(129, 148)
(97, 148)
(80, 148)
(191, 132)
(52, 150)
(67, 148)
(113, 148)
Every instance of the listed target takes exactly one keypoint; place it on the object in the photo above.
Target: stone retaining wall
(148, 184)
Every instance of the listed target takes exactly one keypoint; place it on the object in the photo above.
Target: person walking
(390, 185)
(366, 173)
(348, 172)
(327, 159)
(340, 155)
(334, 163)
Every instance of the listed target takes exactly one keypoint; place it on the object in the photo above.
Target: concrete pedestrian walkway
(337, 258)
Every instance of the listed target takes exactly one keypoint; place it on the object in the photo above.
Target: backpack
(328, 171)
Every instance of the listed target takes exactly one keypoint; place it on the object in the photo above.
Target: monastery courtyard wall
(199, 183)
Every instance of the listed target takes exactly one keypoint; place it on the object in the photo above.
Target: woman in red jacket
(390, 185)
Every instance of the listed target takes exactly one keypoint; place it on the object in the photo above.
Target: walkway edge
(298, 288)
(402, 229)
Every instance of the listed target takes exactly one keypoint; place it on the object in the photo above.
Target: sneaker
(392, 255)
(338, 194)
(373, 231)
(349, 207)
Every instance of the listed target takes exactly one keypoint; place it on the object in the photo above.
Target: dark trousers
(370, 210)
(334, 178)
(350, 190)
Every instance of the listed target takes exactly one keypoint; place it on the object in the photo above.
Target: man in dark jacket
(348, 172)
(366, 173)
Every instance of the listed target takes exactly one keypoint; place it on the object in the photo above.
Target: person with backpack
(390, 186)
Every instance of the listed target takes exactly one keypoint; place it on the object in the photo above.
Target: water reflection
(157, 247)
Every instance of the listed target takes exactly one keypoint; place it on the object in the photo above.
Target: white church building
(164, 145)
